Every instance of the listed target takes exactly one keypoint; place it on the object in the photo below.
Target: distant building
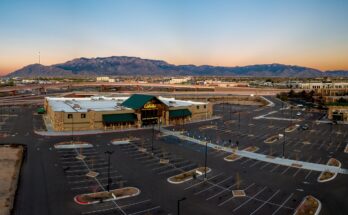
(323, 85)
(65, 114)
(179, 80)
(338, 113)
(105, 79)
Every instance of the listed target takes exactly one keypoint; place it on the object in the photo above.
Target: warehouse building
(95, 113)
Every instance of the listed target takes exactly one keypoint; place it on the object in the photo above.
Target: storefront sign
(150, 106)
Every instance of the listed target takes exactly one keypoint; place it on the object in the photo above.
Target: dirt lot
(10, 162)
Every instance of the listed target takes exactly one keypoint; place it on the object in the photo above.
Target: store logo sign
(150, 106)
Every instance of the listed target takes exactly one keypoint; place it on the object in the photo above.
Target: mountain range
(130, 66)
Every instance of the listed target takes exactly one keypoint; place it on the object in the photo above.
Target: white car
(298, 114)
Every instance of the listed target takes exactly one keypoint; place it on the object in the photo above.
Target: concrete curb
(262, 157)
(304, 199)
(188, 179)
(329, 179)
(76, 198)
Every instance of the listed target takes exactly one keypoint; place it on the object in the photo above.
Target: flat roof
(102, 103)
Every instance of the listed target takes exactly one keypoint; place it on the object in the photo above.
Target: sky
(312, 33)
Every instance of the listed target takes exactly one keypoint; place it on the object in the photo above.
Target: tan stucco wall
(343, 109)
(94, 121)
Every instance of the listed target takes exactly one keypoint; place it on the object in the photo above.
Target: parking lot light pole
(109, 153)
(284, 144)
(205, 159)
(153, 134)
(178, 204)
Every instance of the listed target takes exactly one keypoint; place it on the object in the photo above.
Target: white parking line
(285, 170)
(275, 168)
(103, 184)
(229, 199)
(254, 164)
(213, 185)
(146, 210)
(121, 206)
(226, 189)
(241, 205)
(246, 161)
(196, 184)
(262, 167)
(287, 199)
(265, 202)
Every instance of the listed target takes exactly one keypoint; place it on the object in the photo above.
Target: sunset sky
(311, 33)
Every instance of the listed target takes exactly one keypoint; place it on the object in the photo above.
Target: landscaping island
(72, 145)
(272, 139)
(234, 157)
(251, 149)
(291, 128)
(99, 197)
(187, 176)
(308, 206)
(10, 165)
(326, 176)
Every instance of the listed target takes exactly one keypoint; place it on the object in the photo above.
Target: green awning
(117, 118)
(41, 110)
(137, 101)
(179, 113)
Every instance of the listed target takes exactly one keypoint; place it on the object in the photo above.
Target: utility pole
(109, 153)
(205, 159)
(284, 144)
(230, 111)
(72, 127)
(153, 135)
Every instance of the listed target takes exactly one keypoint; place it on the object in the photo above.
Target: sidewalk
(262, 157)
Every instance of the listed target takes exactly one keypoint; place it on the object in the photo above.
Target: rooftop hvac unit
(76, 106)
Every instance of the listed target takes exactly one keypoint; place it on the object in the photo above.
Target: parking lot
(55, 176)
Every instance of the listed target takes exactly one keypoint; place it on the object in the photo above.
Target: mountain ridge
(131, 66)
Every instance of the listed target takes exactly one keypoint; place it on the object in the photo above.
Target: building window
(197, 107)
(205, 106)
(70, 116)
(83, 115)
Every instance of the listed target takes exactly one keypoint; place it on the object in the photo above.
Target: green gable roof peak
(137, 101)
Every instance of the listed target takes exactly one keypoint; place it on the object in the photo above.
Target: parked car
(304, 127)
(298, 114)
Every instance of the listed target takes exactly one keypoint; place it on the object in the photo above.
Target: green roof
(41, 110)
(115, 118)
(137, 101)
(179, 113)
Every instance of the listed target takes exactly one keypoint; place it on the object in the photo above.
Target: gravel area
(10, 162)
